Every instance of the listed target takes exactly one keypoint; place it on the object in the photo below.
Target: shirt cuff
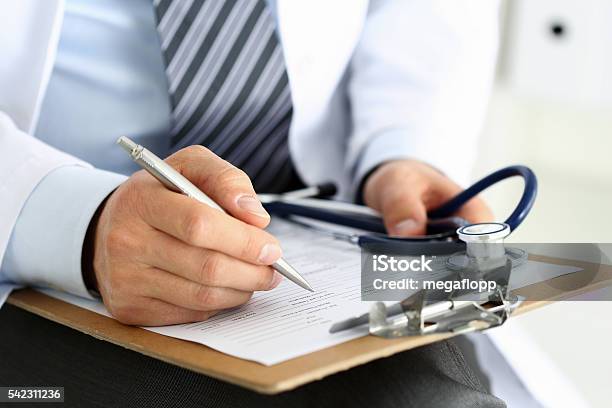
(47, 240)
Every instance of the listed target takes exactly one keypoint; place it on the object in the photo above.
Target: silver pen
(175, 181)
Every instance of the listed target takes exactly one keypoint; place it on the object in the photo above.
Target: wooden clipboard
(295, 372)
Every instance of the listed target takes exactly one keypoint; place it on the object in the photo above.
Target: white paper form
(288, 321)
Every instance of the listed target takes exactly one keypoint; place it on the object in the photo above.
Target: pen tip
(303, 283)
(290, 273)
(299, 279)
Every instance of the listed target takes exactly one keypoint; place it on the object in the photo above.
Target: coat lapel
(318, 38)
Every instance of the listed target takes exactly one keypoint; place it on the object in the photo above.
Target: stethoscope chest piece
(484, 248)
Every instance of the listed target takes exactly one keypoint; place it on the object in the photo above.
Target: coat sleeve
(47, 196)
(419, 82)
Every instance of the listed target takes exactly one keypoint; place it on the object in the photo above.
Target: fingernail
(269, 254)
(278, 278)
(403, 228)
(252, 205)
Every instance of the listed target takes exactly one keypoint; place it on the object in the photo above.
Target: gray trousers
(36, 352)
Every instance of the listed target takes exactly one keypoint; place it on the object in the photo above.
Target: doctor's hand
(404, 190)
(160, 257)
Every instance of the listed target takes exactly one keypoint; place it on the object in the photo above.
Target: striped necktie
(228, 85)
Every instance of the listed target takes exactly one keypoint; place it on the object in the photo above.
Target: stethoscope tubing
(519, 214)
(358, 221)
(375, 224)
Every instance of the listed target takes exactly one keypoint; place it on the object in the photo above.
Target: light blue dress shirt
(108, 80)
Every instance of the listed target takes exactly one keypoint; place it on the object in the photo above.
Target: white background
(552, 110)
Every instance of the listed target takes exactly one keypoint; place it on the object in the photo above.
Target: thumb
(404, 213)
(222, 182)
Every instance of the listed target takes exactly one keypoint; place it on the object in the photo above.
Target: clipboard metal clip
(461, 312)
(450, 316)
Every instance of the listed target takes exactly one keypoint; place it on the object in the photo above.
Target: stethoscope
(442, 227)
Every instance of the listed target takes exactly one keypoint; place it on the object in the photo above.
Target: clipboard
(298, 371)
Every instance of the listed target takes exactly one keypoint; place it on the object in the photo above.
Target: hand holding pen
(163, 258)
